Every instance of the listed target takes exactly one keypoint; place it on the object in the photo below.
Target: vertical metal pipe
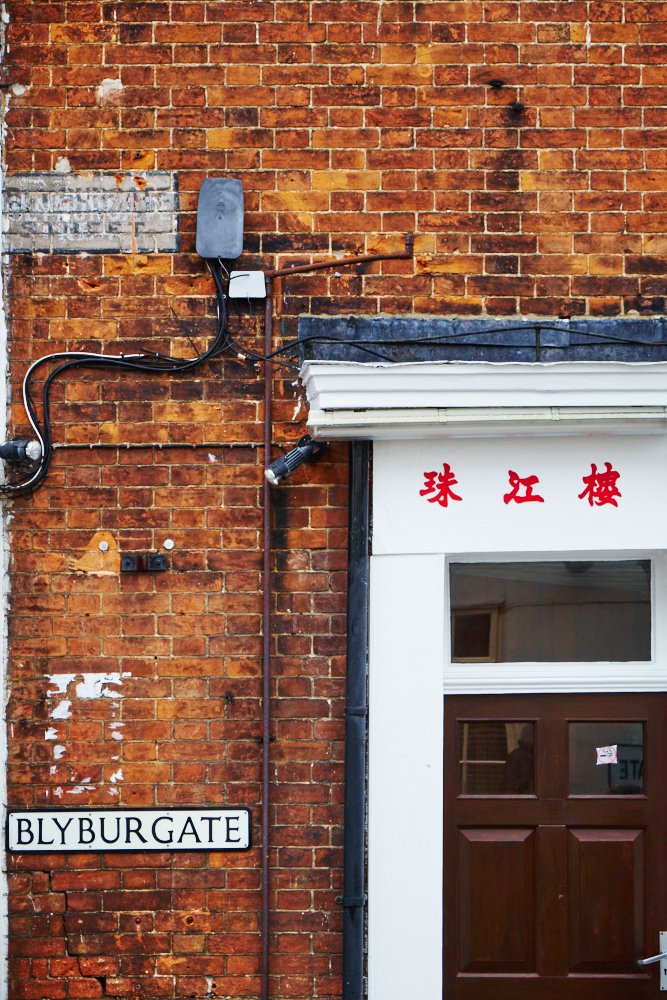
(356, 711)
(266, 645)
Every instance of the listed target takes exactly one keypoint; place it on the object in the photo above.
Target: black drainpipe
(356, 712)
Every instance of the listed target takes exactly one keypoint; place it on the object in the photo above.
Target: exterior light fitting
(306, 450)
(20, 450)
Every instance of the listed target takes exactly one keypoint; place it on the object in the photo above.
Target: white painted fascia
(376, 401)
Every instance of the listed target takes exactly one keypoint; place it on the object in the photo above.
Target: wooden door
(555, 864)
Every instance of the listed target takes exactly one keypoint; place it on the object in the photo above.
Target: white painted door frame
(482, 419)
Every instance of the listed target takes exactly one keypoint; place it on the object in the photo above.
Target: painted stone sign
(63, 212)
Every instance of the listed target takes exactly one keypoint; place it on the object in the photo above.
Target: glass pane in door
(606, 758)
(496, 758)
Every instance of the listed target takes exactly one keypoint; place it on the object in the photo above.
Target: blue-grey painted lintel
(411, 338)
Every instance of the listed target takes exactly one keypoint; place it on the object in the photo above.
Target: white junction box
(247, 285)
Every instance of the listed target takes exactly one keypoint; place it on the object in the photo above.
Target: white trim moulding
(379, 401)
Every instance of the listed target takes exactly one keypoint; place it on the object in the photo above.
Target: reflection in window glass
(474, 637)
(551, 611)
(496, 758)
(606, 758)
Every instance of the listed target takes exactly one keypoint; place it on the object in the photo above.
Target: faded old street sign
(129, 830)
(91, 212)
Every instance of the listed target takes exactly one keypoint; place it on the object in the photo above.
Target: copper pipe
(266, 643)
(266, 571)
(347, 261)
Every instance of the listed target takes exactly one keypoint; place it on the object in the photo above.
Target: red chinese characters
(600, 488)
(522, 489)
(438, 486)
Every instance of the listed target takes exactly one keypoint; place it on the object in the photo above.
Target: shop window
(552, 611)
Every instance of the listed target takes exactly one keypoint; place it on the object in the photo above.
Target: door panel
(554, 867)
(606, 916)
(500, 937)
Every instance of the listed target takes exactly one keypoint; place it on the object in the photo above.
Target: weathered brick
(348, 124)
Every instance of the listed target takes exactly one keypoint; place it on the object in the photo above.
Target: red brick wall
(187, 646)
(349, 124)
(189, 641)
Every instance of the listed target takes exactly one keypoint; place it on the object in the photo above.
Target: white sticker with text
(607, 755)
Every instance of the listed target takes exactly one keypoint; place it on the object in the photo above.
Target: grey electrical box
(220, 218)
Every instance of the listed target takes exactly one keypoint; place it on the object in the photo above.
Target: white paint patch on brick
(62, 165)
(107, 89)
(87, 686)
(62, 710)
(90, 687)
(94, 686)
(61, 682)
(63, 212)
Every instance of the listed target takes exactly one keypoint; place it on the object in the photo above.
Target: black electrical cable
(243, 352)
(157, 363)
(443, 341)
(145, 362)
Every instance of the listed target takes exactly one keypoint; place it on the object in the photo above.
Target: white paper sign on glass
(607, 755)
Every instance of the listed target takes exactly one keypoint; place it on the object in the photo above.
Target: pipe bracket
(350, 902)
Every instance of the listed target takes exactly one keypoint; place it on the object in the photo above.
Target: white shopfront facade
(480, 463)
